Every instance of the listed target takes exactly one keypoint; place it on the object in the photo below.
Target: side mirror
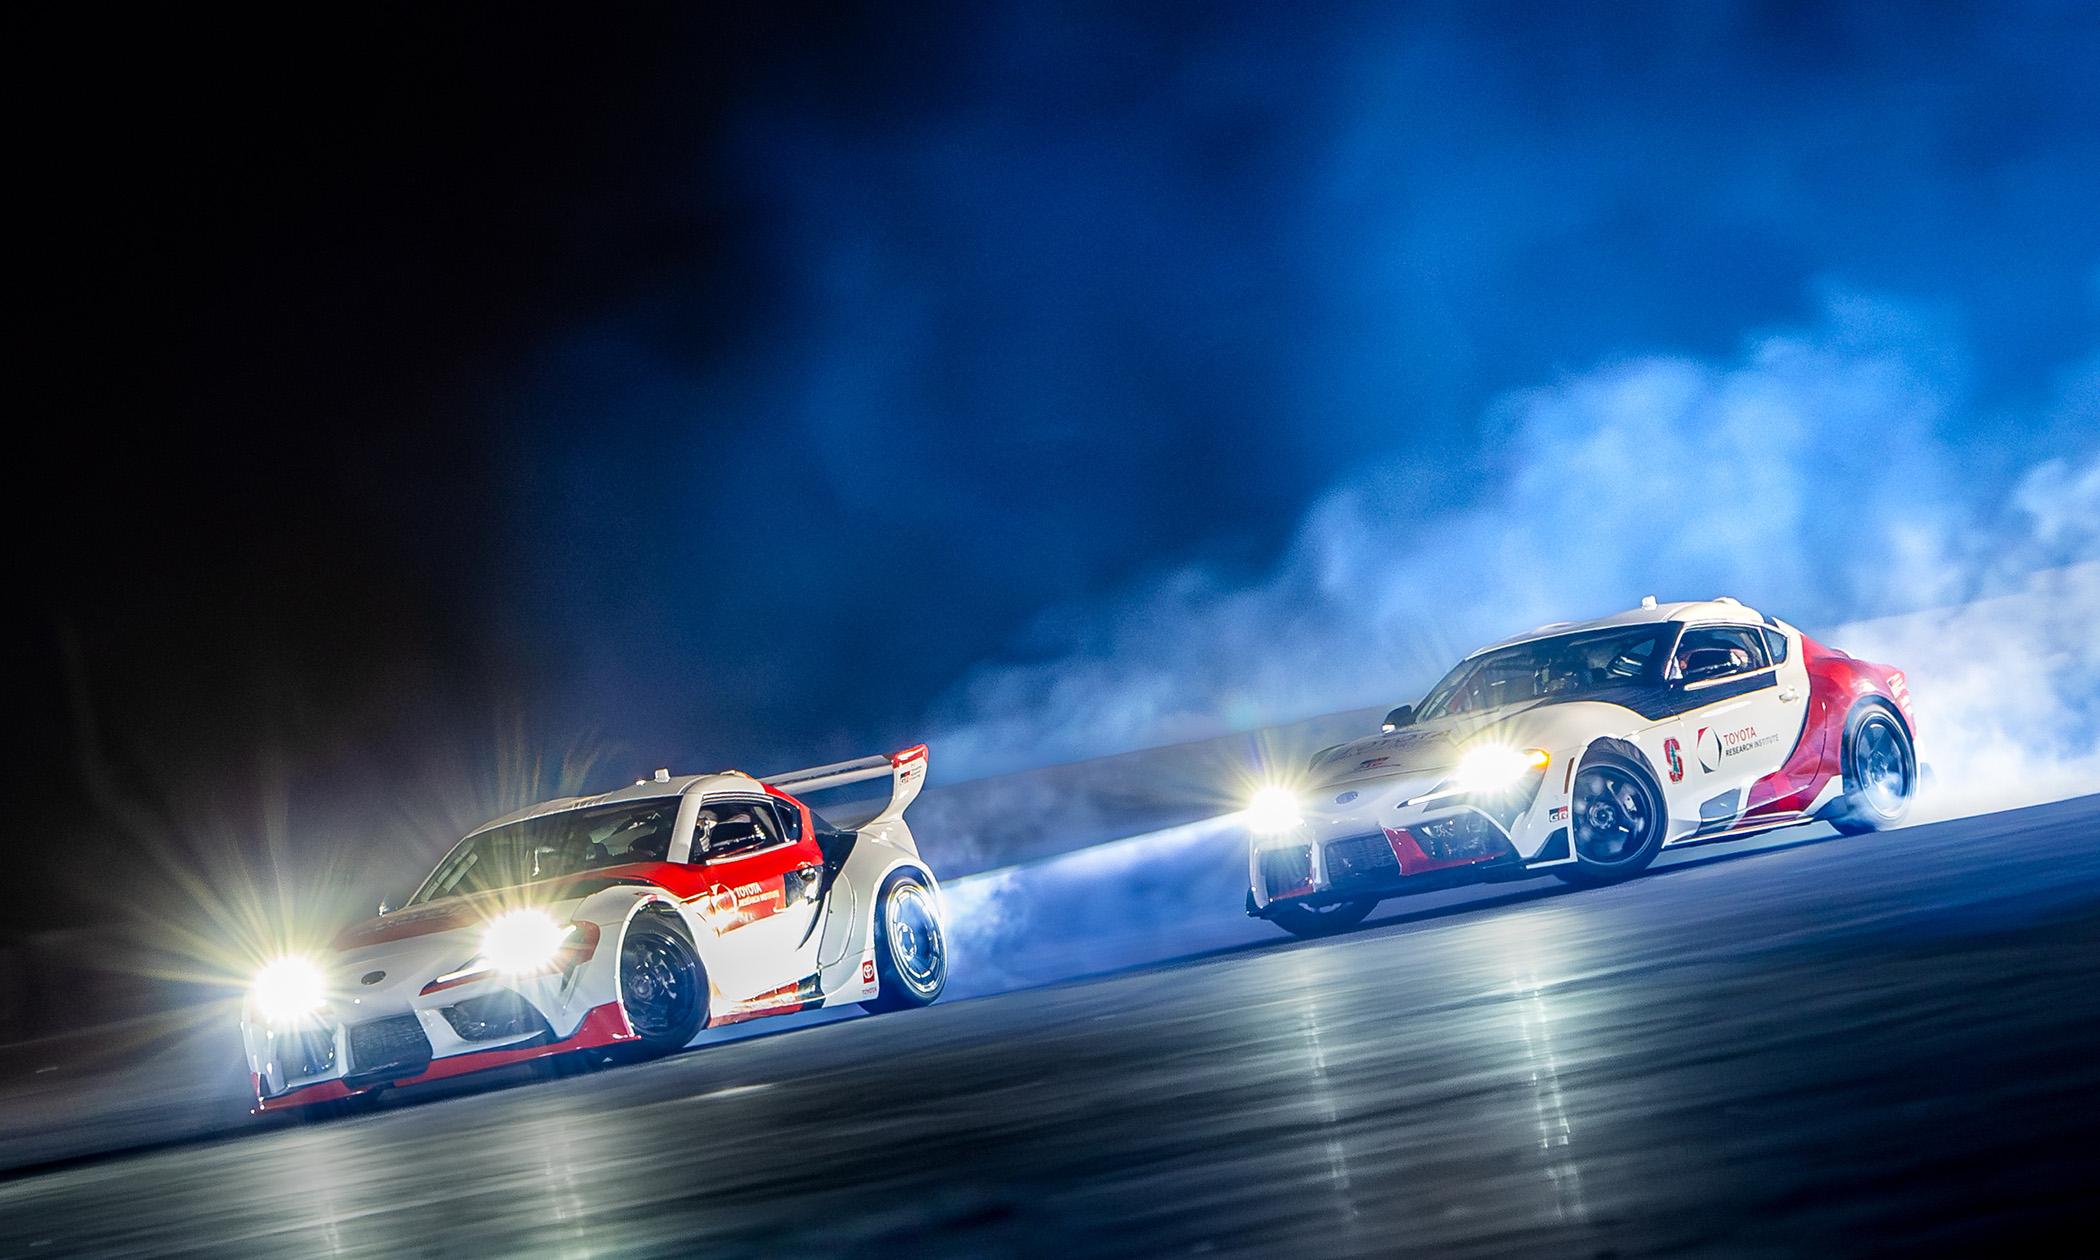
(1402, 716)
(1707, 662)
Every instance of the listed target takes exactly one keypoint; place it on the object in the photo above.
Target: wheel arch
(1624, 749)
(873, 877)
(1877, 700)
(657, 903)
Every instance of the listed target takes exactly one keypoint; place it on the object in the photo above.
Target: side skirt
(1738, 833)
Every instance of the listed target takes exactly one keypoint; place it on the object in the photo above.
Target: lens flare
(1491, 766)
(1272, 809)
(289, 989)
(522, 941)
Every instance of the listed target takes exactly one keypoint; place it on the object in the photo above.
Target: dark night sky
(730, 389)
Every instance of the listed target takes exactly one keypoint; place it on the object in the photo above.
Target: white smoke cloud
(1808, 477)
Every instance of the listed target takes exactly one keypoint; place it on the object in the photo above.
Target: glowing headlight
(1492, 766)
(1272, 809)
(522, 941)
(288, 989)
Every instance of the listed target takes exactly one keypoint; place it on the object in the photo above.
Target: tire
(1310, 922)
(1617, 819)
(911, 947)
(663, 989)
(1880, 772)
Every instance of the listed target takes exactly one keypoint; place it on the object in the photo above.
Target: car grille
(1361, 860)
(1286, 870)
(389, 1047)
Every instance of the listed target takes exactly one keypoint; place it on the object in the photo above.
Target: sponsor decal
(1346, 797)
(1675, 756)
(1372, 763)
(1716, 747)
(1559, 813)
(867, 971)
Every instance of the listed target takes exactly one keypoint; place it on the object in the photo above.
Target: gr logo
(1709, 749)
(1675, 757)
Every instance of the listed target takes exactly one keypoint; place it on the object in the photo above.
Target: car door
(1737, 717)
(764, 875)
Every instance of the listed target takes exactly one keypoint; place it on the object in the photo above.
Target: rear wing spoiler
(905, 770)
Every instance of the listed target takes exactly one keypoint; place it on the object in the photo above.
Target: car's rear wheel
(1881, 772)
(663, 989)
(1314, 921)
(1616, 821)
(911, 948)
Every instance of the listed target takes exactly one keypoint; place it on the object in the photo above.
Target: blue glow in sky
(1043, 311)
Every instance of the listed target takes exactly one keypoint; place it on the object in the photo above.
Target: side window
(1775, 641)
(790, 818)
(727, 828)
(1707, 652)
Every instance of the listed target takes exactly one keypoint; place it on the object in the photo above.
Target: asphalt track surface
(1875, 1044)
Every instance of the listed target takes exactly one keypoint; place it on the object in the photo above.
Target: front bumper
(399, 1063)
(403, 1011)
(1454, 847)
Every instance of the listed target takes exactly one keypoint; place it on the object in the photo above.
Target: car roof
(665, 789)
(1721, 608)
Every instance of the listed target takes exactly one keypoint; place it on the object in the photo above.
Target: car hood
(1433, 748)
(382, 963)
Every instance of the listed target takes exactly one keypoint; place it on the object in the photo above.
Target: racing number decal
(1676, 760)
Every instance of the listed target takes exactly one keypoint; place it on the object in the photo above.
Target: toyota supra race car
(615, 925)
(1584, 750)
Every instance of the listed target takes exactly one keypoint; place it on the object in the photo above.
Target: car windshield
(553, 845)
(1560, 667)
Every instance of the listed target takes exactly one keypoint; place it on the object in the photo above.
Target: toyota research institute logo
(1346, 797)
(1709, 749)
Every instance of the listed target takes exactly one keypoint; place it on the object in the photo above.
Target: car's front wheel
(663, 989)
(1616, 820)
(1314, 921)
(1881, 772)
(911, 949)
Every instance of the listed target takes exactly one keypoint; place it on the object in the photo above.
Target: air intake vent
(494, 1017)
(1287, 870)
(1361, 860)
(389, 1048)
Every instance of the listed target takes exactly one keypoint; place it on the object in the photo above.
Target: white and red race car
(1584, 750)
(619, 924)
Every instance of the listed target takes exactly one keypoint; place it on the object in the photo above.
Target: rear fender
(878, 853)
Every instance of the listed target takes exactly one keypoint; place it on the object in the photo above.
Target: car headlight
(1490, 766)
(1272, 810)
(289, 989)
(520, 942)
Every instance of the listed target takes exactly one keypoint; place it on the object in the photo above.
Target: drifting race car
(613, 925)
(1584, 750)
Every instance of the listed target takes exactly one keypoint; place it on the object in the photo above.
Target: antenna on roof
(662, 775)
(1647, 601)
